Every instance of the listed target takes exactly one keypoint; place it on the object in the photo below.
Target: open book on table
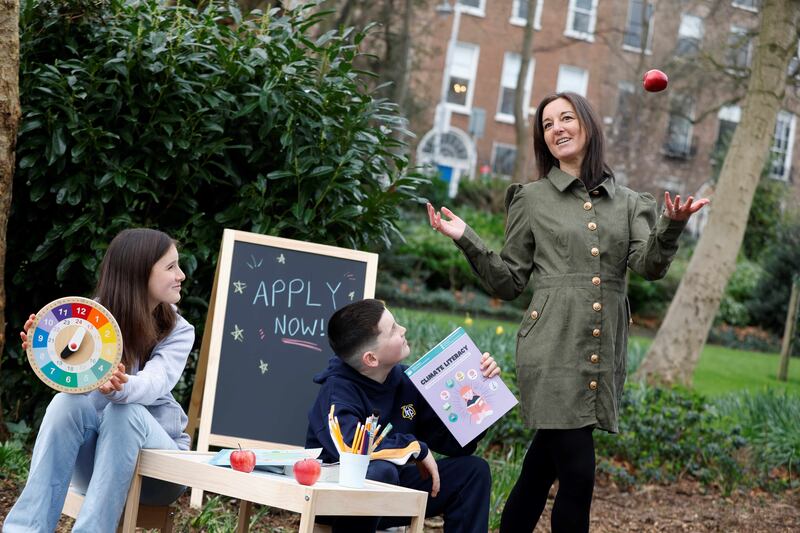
(280, 461)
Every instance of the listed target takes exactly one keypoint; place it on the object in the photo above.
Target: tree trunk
(9, 122)
(520, 101)
(674, 353)
(403, 67)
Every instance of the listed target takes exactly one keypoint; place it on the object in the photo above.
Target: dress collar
(562, 181)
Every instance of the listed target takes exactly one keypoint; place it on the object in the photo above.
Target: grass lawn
(720, 370)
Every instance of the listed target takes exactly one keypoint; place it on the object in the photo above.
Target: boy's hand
(429, 468)
(117, 381)
(24, 333)
(489, 366)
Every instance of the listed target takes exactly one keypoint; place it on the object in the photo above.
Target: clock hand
(74, 343)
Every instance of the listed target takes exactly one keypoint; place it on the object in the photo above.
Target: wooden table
(323, 498)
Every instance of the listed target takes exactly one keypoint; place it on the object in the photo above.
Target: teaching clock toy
(74, 344)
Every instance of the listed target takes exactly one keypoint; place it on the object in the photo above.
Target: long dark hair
(123, 289)
(593, 167)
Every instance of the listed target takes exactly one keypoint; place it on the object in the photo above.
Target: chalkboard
(268, 319)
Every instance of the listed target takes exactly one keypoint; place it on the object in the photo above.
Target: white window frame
(479, 11)
(743, 33)
(519, 21)
(746, 7)
(687, 30)
(560, 88)
(649, 45)
(784, 116)
(506, 117)
(585, 36)
(466, 108)
(496, 145)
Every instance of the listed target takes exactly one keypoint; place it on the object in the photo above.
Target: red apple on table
(306, 471)
(243, 460)
(654, 81)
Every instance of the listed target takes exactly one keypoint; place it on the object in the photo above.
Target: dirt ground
(681, 507)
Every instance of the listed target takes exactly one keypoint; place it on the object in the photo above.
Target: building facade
(673, 140)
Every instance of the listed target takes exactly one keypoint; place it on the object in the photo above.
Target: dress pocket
(534, 313)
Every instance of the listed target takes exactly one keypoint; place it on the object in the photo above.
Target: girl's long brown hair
(593, 167)
(123, 290)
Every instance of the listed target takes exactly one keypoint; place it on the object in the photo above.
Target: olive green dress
(575, 245)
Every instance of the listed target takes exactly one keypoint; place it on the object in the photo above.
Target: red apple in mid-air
(306, 471)
(243, 460)
(654, 81)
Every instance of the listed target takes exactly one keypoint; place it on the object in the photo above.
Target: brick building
(600, 49)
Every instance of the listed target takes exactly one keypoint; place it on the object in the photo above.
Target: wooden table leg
(307, 516)
(132, 503)
(245, 508)
(417, 522)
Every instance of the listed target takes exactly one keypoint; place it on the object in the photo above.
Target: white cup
(353, 469)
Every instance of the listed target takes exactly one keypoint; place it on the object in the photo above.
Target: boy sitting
(366, 378)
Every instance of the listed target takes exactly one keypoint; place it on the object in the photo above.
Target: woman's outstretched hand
(453, 228)
(676, 211)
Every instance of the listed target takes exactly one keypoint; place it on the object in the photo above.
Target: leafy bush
(484, 194)
(741, 288)
(667, 433)
(770, 423)
(141, 114)
(770, 300)
(433, 259)
(14, 458)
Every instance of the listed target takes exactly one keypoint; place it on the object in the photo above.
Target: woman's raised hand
(453, 228)
(676, 211)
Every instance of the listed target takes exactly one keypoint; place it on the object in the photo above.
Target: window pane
(511, 64)
(507, 100)
(504, 157)
(584, 4)
(780, 144)
(522, 9)
(580, 23)
(572, 79)
(470, 3)
(457, 90)
(634, 32)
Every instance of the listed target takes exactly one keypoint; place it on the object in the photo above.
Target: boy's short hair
(353, 328)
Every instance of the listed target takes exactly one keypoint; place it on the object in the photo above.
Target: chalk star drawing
(238, 334)
(255, 264)
(352, 295)
(239, 287)
(264, 367)
(281, 259)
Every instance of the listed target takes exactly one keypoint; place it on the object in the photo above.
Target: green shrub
(771, 423)
(740, 289)
(667, 433)
(14, 457)
(484, 194)
(135, 113)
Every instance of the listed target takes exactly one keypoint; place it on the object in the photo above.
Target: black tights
(563, 454)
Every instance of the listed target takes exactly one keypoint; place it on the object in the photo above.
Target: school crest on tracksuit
(408, 411)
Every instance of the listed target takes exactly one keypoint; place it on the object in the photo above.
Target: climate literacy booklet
(450, 379)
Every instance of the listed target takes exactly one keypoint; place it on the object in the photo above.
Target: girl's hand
(489, 366)
(676, 211)
(118, 379)
(24, 333)
(453, 228)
